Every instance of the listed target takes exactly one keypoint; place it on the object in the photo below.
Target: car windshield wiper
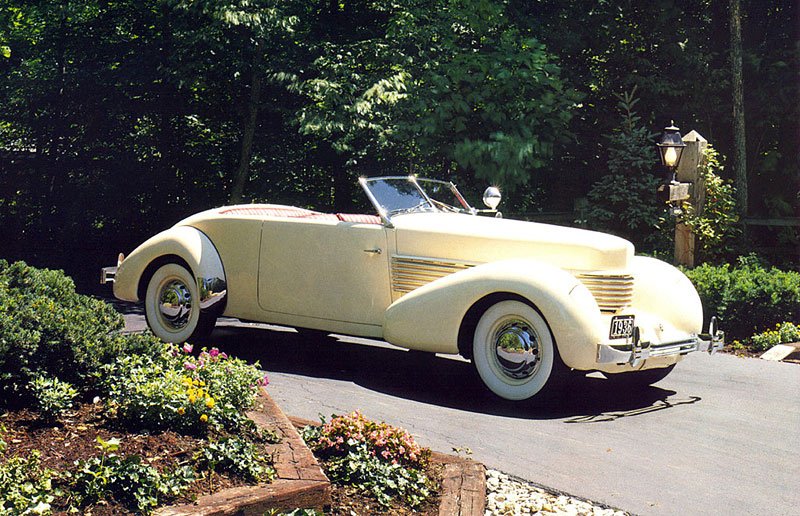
(425, 204)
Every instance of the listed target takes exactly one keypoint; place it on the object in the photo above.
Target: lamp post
(670, 148)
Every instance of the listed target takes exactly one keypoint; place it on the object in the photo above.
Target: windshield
(395, 195)
(398, 194)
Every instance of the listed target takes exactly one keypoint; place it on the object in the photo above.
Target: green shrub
(783, 333)
(46, 328)
(26, 487)
(717, 227)
(52, 397)
(378, 458)
(236, 455)
(137, 486)
(748, 298)
(178, 391)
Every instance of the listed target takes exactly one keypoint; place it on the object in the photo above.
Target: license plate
(621, 327)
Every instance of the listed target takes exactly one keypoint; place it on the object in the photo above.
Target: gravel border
(507, 495)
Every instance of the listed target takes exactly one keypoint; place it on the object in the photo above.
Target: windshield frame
(427, 203)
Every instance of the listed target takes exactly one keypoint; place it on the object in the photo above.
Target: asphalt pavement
(720, 435)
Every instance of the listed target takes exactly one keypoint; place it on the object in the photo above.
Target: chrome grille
(612, 292)
(410, 273)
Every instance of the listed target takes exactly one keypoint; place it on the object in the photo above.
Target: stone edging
(299, 482)
(463, 481)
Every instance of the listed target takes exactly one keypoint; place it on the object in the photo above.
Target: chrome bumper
(108, 275)
(636, 351)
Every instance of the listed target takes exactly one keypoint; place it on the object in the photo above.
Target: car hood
(478, 239)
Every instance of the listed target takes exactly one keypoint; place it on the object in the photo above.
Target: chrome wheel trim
(512, 316)
(174, 304)
(517, 349)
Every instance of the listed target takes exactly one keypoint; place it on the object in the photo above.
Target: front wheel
(172, 306)
(514, 352)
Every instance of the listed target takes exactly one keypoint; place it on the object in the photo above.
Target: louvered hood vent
(613, 292)
(410, 273)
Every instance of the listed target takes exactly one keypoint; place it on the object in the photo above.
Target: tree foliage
(120, 117)
(624, 201)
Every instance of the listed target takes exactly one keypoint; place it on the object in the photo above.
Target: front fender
(429, 318)
(189, 245)
(662, 289)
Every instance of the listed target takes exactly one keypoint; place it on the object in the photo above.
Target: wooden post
(689, 172)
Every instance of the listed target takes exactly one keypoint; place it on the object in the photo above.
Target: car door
(324, 270)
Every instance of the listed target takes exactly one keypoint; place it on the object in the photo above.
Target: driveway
(717, 436)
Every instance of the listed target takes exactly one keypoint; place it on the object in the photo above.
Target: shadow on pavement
(426, 378)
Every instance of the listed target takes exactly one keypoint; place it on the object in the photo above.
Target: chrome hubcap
(517, 349)
(175, 304)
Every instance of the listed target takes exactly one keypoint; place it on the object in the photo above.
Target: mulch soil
(74, 438)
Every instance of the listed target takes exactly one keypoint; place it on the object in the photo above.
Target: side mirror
(492, 197)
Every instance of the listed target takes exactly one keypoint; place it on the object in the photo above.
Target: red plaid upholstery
(277, 210)
(321, 216)
(267, 210)
(358, 217)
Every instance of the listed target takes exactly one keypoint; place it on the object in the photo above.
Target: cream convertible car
(526, 302)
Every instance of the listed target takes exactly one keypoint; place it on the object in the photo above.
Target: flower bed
(99, 420)
(167, 428)
(374, 467)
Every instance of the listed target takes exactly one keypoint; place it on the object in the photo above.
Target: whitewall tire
(513, 351)
(172, 305)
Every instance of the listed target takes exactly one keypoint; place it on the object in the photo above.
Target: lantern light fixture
(670, 148)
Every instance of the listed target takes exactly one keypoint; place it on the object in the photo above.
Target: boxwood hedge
(48, 329)
(748, 297)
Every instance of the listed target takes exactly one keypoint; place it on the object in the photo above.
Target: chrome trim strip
(608, 354)
(381, 212)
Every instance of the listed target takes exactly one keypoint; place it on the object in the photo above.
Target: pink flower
(264, 381)
(214, 353)
(187, 348)
(190, 366)
(223, 356)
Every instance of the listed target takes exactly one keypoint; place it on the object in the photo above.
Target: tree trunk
(250, 123)
(739, 140)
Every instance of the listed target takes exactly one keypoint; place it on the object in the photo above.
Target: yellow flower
(209, 402)
(181, 411)
(192, 399)
(203, 418)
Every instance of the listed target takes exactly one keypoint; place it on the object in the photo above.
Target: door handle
(376, 250)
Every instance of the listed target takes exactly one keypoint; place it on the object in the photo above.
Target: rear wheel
(514, 352)
(172, 306)
(640, 378)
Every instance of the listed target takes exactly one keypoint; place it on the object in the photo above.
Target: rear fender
(429, 318)
(185, 245)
